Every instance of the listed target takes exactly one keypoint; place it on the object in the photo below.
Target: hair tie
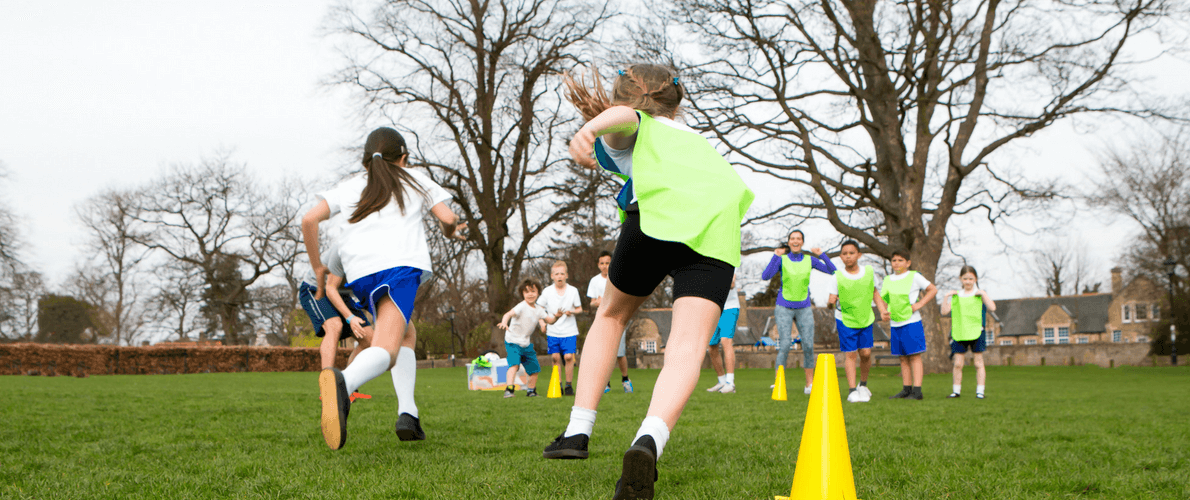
(675, 80)
(621, 72)
(377, 154)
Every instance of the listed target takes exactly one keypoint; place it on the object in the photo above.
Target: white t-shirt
(623, 157)
(596, 287)
(332, 262)
(387, 238)
(566, 326)
(523, 323)
(733, 299)
(834, 285)
(920, 283)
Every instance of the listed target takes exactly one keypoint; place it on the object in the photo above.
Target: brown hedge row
(84, 360)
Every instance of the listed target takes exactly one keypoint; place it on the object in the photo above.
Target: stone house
(1125, 315)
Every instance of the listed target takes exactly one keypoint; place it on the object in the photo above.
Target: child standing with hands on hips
(682, 205)
(968, 309)
(384, 253)
(906, 292)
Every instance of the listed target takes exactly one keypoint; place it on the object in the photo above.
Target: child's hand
(459, 230)
(503, 325)
(320, 273)
(949, 293)
(916, 307)
(978, 292)
(357, 327)
(885, 316)
(582, 148)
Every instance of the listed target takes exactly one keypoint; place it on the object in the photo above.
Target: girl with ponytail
(384, 253)
(968, 309)
(681, 208)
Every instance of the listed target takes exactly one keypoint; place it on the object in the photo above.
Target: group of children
(681, 207)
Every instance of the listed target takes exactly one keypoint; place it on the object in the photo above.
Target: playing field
(1043, 432)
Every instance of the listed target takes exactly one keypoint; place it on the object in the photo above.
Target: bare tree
(212, 217)
(18, 305)
(9, 236)
(175, 302)
(1061, 267)
(884, 117)
(109, 280)
(474, 83)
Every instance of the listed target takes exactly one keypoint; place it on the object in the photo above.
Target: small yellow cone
(555, 385)
(779, 385)
(824, 462)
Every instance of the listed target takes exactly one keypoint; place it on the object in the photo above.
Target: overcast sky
(104, 94)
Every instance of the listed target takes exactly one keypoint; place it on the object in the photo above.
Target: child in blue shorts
(562, 300)
(517, 342)
(854, 290)
(724, 335)
(906, 292)
(331, 314)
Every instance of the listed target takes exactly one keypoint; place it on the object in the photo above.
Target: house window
(991, 340)
(1156, 312)
(649, 345)
(1063, 334)
(1030, 341)
(1141, 312)
(1084, 340)
(1049, 335)
(1006, 342)
(1116, 335)
(1127, 315)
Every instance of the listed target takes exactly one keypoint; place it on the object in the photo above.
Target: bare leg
(809, 377)
(512, 374)
(569, 368)
(390, 328)
(557, 358)
(533, 381)
(694, 320)
(728, 356)
(330, 341)
(906, 368)
(623, 362)
(915, 365)
(849, 368)
(716, 362)
(865, 364)
(603, 340)
(959, 360)
(361, 344)
(981, 374)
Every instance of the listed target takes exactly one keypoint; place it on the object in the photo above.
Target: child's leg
(906, 371)
(512, 369)
(556, 357)
(694, 318)
(716, 362)
(957, 378)
(533, 381)
(981, 374)
(599, 349)
(623, 362)
(331, 329)
(361, 344)
(728, 356)
(569, 367)
(386, 342)
(915, 365)
(404, 373)
(865, 363)
(849, 368)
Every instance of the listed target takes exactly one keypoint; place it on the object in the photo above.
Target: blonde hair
(651, 88)
(561, 264)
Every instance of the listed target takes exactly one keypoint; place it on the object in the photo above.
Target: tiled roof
(1019, 316)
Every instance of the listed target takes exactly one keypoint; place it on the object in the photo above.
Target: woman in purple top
(793, 302)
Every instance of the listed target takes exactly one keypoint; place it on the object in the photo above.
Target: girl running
(682, 205)
(968, 309)
(384, 253)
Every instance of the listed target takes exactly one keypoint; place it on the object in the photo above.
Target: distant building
(1127, 314)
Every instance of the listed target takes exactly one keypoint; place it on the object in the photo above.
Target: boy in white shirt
(854, 291)
(595, 292)
(906, 292)
(562, 300)
(525, 317)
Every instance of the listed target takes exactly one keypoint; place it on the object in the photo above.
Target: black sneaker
(336, 404)
(568, 447)
(409, 428)
(531, 393)
(509, 392)
(640, 471)
(953, 395)
(901, 395)
(916, 395)
(568, 391)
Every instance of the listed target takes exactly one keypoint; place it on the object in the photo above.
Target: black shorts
(641, 262)
(962, 346)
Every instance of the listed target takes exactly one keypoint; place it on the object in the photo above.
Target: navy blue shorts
(907, 340)
(322, 310)
(961, 346)
(400, 283)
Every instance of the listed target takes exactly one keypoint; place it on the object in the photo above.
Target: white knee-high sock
(404, 378)
(657, 429)
(582, 421)
(368, 364)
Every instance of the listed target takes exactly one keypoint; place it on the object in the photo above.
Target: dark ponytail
(386, 179)
(969, 269)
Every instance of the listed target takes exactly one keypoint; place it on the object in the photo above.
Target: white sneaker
(772, 386)
(855, 397)
(728, 389)
(808, 388)
(716, 387)
(867, 392)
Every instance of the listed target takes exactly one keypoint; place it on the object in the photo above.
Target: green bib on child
(855, 298)
(687, 192)
(795, 278)
(896, 294)
(966, 317)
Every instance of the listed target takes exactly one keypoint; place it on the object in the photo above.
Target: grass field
(1043, 432)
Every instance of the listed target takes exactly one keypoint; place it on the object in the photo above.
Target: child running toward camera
(517, 337)
(852, 292)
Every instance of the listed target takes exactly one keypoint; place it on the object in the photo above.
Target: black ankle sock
(916, 389)
(863, 384)
(906, 389)
(851, 391)
(625, 377)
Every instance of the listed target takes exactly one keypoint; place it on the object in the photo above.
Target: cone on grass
(555, 385)
(779, 386)
(823, 469)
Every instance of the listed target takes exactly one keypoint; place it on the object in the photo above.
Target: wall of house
(1139, 293)
(1101, 354)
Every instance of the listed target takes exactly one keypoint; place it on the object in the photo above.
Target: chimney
(1117, 281)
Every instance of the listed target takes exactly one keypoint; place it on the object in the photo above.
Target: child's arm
(617, 125)
(504, 321)
(830, 300)
(332, 294)
(320, 212)
(451, 226)
(946, 302)
(880, 305)
(987, 300)
(931, 291)
(550, 319)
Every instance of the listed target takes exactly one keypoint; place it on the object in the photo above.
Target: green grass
(1044, 432)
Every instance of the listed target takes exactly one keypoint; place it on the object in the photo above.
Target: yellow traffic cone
(779, 385)
(823, 462)
(555, 385)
